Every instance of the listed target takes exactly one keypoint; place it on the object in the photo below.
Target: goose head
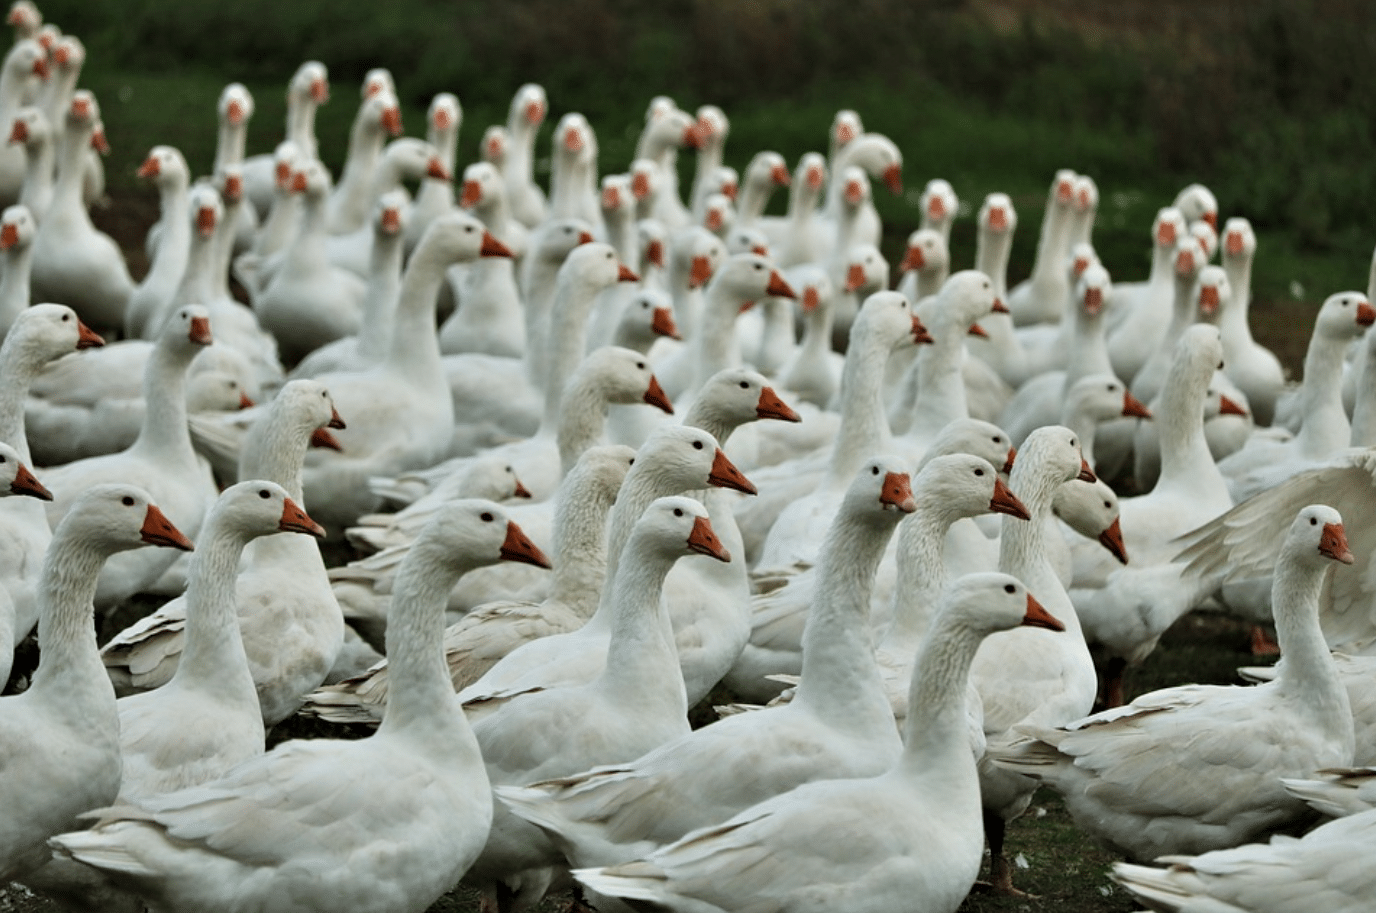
(1214, 292)
(880, 492)
(1051, 454)
(457, 237)
(414, 159)
(26, 58)
(747, 240)
(684, 458)
(926, 252)
(1239, 241)
(623, 376)
(855, 188)
(1093, 291)
(483, 186)
(310, 179)
(115, 518)
(16, 479)
(646, 182)
(648, 315)
(593, 267)
(809, 179)
(985, 603)
(889, 321)
(310, 84)
(471, 531)
(1063, 190)
(574, 140)
(813, 285)
(185, 332)
(1091, 509)
(1086, 196)
(304, 409)
(30, 127)
(740, 395)
(866, 271)
(17, 228)
(651, 235)
(377, 81)
(745, 278)
(1197, 203)
(964, 298)
(391, 214)
(379, 114)
(444, 117)
(965, 485)
(1100, 398)
(677, 526)
(68, 55)
(166, 167)
(718, 213)
(235, 106)
(528, 107)
(766, 171)
(879, 157)
(845, 127)
(1167, 229)
(1206, 237)
(557, 238)
(205, 209)
(493, 478)
(1344, 315)
(996, 215)
(260, 508)
(495, 143)
(975, 437)
(939, 203)
(1317, 535)
(694, 255)
(46, 331)
(25, 18)
(618, 199)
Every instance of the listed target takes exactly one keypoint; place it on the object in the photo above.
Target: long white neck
(581, 419)
(714, 345)
(864, 427)
(1022, 545)
(921, 576)
(414, 350)
(564, 345)
(1325, 426)
(939, 374)
(1235, 325)
(840, 678)
(1307, 672)
(229, 145)
(580, 544)
(164, 435)
(37, 192)
(213, 657)
(380, 297)
(222, 250)
(936, 743)
(76, 138)
(642, 659)
(1186, 462)
(420, 696)
(14, 285)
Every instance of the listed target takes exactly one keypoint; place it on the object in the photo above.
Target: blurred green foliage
(1265, 101)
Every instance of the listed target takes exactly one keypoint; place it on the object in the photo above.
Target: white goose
(1142, 311)
(207, 718)
(1250, 365)
(235, 110)
(1024, 677)
(488, 632)
(352, 198)
(290, 622)
(635, 704)
(396, 818)
(17, 228)
(15, 479)
(528, 110)
(1287, 875)
(161, 461)
(400, 412)
(73, 262)
(1040, 298)
(909, 836)
(40, 334)
(1225, 747)
(839, 726)
(32, 128)
(308, 88)
(25, 60)
(61, 736)
(150, 300)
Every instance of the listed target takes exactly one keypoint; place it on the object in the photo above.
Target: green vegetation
(1265, 102)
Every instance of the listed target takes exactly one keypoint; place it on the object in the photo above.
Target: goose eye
(979, 472)
(1107, 505)
(1009, 588)
(1109, 388)
(127, 501)
(697, 445)
(745, 385)
(874, 470)
(264, 493)
(678, 511)
(2, 459)
(1313, 522)
(640, 365)
(486, 516)
(1220, 366)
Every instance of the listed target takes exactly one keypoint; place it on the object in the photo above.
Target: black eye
(697, 445)
(1110, 387)
(759, 266)
(264, 493)
(979, 472)
(66, 317)
(2, 458)
(1009, 588)
(128, 501)
(874, 470)
(1313, 522)
(1107, 505)
(486, 516)
(678, 511)
(1220, 366)
(745, 385)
